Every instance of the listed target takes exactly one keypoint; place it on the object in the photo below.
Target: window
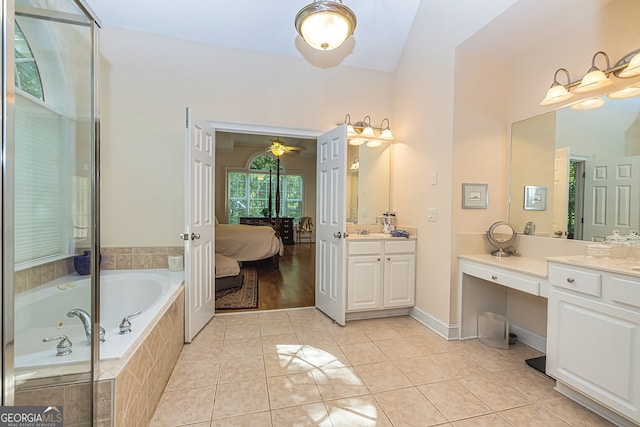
(43, 221)
(248, 190)
(26, 70)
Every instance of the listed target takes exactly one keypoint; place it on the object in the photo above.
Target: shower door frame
(7, 27)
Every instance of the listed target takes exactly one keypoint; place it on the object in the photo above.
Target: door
(399, 280)
(612, 197)
(561, 193)
(331, 223)
(199, 297)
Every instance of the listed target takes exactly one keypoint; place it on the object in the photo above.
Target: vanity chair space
(380, 275)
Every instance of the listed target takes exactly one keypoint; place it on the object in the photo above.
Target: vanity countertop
(621, 266)
(533, 266)
(377, 236)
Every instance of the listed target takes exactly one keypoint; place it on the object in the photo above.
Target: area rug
(245, 296)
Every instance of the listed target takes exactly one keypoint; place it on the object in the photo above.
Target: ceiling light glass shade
(351, 132)
(556, 93)
(357, 141)
(588, 104)
(368, 133)
(374, 143)
(325, 24)
(633, 69)
(628, 92)
(386, 131)
(593, 80)
(356, 164)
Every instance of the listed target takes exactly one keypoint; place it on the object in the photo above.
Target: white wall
(147, 81)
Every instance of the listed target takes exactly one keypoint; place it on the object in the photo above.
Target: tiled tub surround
(130, 388)
(137, 257)
(113, 258)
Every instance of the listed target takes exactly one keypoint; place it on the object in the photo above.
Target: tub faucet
(86, 322)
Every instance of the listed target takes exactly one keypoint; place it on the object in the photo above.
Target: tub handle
(64, 346)
(125, 325)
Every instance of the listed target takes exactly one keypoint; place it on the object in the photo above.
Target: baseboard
(529, 338)
(593, 406)
(445, 330)
(374, 314)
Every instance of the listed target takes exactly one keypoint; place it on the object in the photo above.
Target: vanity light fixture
(557, 92)
(596, 78)
(362, 132)
(588, 104)
(356, 164)
(628, 92)
(325, 24)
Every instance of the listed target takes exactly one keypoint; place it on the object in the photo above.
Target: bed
(248, 242)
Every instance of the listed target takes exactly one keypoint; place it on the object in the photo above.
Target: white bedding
(247, 242)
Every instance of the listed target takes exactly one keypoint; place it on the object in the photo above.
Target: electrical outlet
(432, 214)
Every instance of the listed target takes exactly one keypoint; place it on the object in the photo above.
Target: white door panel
(331, 224)
(199, 225)
(612, 197)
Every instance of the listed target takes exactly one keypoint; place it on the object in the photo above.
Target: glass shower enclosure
(50, 198)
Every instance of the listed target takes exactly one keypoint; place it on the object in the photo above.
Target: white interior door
(331, 223)
(561, 193)
(199, 240)
(612, 197)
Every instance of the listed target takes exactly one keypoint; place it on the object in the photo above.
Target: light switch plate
(432, 214)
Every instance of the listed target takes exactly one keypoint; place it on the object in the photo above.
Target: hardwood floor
(293, 285)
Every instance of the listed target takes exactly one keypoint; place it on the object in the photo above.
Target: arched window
(248, 190)
(26, 69)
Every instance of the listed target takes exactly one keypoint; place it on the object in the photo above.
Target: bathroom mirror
(367, 182)
(588, 161)
(502, 236)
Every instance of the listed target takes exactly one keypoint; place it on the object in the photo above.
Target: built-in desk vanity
(380, 275)
(593, 322)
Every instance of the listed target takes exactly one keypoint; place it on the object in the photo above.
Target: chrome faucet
(125, 326)
(86, 322)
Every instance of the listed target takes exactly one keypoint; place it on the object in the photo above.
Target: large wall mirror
(367, 182)
(587, 165)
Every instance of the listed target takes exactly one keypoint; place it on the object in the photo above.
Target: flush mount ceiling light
(362, 132)
(596, 78)
(325, 24)
(356, 164)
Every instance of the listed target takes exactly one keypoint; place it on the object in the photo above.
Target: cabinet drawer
(505, 279)
(625, 292)
(364, 248)
(397, 247)
(576, 280)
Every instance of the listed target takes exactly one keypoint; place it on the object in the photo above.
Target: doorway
(290, 283)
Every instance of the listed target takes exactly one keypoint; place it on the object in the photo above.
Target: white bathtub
(42, 312)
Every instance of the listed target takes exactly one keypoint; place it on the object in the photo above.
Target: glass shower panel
(53, 166)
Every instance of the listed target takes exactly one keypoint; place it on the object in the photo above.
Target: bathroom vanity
(380, 275)
(593, 322)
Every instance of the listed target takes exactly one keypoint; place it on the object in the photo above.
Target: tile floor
(296, 368)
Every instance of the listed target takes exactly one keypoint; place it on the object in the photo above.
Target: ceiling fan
(277, 148)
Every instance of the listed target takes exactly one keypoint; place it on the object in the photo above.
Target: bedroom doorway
(292, 284)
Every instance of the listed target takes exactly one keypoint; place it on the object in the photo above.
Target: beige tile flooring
(297, 368)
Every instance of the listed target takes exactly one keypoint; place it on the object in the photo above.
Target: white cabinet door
(364, 282)
(594, 348)
(399, 280)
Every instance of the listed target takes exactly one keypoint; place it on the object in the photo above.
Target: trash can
(493, 329)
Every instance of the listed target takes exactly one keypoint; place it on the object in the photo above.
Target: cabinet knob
(388, 258)
(378, 259)
(570, 279)
(494, 277)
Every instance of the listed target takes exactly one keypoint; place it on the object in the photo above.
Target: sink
(370, 236)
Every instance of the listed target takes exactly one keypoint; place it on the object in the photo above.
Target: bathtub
(41, 313)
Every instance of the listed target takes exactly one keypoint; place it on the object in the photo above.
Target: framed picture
(474, 196)
(535, 198)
